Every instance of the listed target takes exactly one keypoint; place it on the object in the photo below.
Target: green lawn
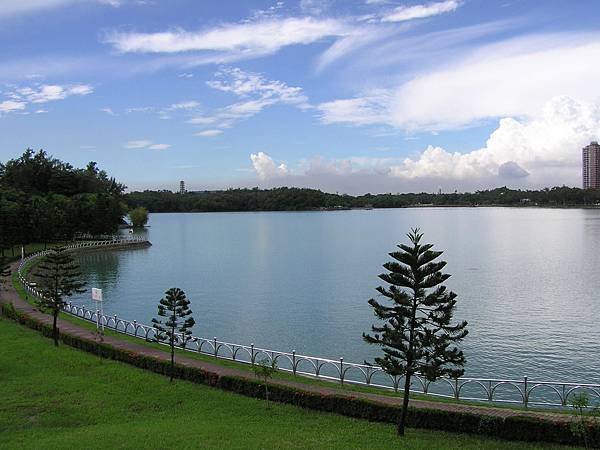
(63, 398)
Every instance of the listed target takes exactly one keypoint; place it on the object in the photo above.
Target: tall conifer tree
(177, 328)
(59, 277)
(417, 335)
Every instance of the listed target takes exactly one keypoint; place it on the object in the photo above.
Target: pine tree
(59, 277)
(417, 336)
(177, 329)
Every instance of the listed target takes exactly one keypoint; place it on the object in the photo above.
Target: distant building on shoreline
(182, 187)
(591, 166)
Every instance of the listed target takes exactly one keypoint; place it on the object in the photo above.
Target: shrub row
(522, 427)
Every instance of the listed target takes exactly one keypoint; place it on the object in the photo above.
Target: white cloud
(511, 79)
(209, 133)
(231, 41)
(146, 144)
(534, 152)
(367, 110)
(11, 105)
(141, 143)
(266, 168)
(108, 111)
(185, 105)
(255, 93)
(51, 92)
(19, 98)
(247, 84)
(159, 146)
(545, 150)
(404, 13)
(186, 75)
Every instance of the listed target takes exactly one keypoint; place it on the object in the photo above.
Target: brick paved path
(8, 294)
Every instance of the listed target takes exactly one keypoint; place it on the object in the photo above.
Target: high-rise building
(591, 166)
(182, 187)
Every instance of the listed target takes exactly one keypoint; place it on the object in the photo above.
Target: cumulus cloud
(545, 150)
(51, 92)
(20, 97)
(488, 83)
(404, 13)
(511, 169)
(11, 105)
(530, 152)
(145, 144)
(266, 168)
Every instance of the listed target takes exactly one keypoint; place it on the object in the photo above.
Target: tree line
(43, 199)
(302, 199)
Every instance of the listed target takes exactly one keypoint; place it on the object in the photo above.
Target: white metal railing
(513, 391)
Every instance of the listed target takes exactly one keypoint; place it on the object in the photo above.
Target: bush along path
(497, 422)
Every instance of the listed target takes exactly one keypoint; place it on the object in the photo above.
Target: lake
(527, 279)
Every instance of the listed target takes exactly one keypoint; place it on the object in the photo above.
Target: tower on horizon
(591, 166)
(182, 187)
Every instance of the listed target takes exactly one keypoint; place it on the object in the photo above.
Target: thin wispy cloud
(241, 40)
(405, 13)
(255, 93)
(145, 144)
(460, 95)
(209, 133)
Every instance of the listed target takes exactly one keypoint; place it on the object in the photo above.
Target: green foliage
(265, 369)
(4, 269)
(417, 336)
(584, 413)
(59, 278)
(177, 329)
(43, 199)
(293, 199)
(138, 216)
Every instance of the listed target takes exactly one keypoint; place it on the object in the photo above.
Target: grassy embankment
(64, 398)
(280, 375)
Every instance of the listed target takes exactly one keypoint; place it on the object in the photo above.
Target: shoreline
(591, 207)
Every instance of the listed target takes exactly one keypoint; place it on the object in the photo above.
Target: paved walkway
(8, 294)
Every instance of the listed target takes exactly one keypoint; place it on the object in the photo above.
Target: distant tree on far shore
(138, 217)
(59, 277)
(176, 331)
(417, 336)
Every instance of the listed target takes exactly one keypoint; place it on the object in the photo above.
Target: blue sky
(363, 96)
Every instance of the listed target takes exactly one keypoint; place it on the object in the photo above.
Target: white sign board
(97, 294)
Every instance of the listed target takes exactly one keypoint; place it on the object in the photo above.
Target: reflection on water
(527, 281)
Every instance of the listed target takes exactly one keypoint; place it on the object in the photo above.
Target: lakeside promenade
(9, 295)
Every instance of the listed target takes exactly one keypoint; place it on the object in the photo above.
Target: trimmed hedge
(523, 428)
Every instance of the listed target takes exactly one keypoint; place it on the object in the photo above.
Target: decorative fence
(523, 392)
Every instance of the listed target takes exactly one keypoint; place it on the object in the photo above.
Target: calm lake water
(528, 281)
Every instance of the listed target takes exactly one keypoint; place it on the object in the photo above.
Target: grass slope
(63, 398)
